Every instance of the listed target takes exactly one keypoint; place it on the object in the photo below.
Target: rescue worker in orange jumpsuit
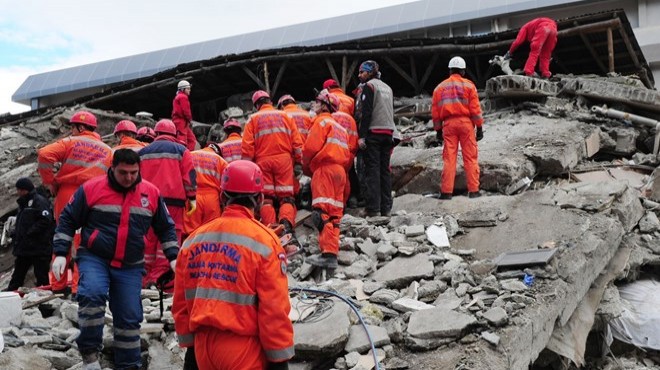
(541, 33)
(146, 135)
(325, 157)
(456, 112)
(125, 132)
(208, 166)
(300, 117)
(272, 141)
(347, 121)
(82, 156)
(182, 115)
(230, 148)
(167, 164)
(346, 103)
(231, 300)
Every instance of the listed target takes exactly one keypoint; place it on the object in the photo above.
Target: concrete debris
(438, 236)
(525, 258)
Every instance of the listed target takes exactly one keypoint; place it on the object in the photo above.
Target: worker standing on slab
(146, 135)
(182, 115)
(231, 300)
(541, 33)
(125, 132)
(456, 111)
(230, 148)
(299, 116)
(114, 213)
(33, 235)
(376, 130)
(272, 141)
(346, 103)
(167, 164)
(325, 157)
(81, 156)
(208, 166)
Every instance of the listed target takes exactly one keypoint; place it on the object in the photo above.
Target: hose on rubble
(352, 306)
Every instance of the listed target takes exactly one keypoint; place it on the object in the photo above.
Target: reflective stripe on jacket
(301, 118)
(209, 167)
(346, 103)
(230, 149)
(128, 142)
(271, 132)
(327, 144)
(455, 97)
(348, 123)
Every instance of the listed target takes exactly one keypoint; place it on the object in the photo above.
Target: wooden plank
(331, 68)
(278, 79)
(301, 216)
(42, 300)
(610, 50)
(429, 69)
(593, 52)
(401, 72)
(253, 77)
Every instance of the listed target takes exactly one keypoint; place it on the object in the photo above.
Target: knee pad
(317, 219)
(290, 200)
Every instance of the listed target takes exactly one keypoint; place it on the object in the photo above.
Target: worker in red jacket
(82, 156)
(231, 299)
(168, 165)
(456, 112)
(541, 33)
(182, 115)
(125, 132)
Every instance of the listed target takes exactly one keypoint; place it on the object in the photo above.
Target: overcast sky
(43, 35)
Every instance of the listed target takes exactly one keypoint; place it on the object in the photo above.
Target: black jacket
(35, 226)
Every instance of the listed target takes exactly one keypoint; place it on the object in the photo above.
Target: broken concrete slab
(406, 304)
(519, 86)
(437, 235)
(438, 323)
(525, 258)
(496, 316)
(335, 328)
(606, 91)
(399, 272)
(359, 342)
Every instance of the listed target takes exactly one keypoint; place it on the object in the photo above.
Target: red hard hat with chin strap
(242, 177)
(84, 118)
(165, 126)
(125, 125)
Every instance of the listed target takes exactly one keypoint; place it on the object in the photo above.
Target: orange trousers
(278, 184)
(223, 350)
(541, 47)
(328, 185)
(208, 208)
(454, 132)
(155, 262)
(64, 194)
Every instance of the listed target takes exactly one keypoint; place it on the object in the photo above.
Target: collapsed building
(526, 276)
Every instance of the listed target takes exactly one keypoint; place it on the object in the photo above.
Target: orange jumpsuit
(82, 157)
(541, 33)
(272, 141)
(231, 299)
(230, 149)
(301, 118)
(347, 121)
(346, 103)
(209, 167)
(128, 142)
(455, 109)
(325, 156)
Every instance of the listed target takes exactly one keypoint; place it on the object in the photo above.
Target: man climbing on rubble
(146, 134)
(325, 158)
(272, 141)
(125, 132)
(167, 164)
(541, 33)
(230, 148)
(352, 189)
(231, 300)
(182, 115)
(346, 103)
(114, 213)
(376, 130)
(456, 111)
(81, 156)
(299, 116)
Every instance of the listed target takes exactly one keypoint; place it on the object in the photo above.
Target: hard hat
(369, 66)
(125, 125)
(243, 177)
(165, 126)
(457, 62)
(330, 83)
(258, 95)
(231, 122)
(84, 118)
(330, 100)
(183, 84)
(283, 99)
(146, 131)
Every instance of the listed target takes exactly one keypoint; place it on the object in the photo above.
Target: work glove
(362, 143)
(58, 267)
(480, 133)
(278, 365)
(192, 206)
(507, 56)
(438, 137)
(173, 264)
(297, 170)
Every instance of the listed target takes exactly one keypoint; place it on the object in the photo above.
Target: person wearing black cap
(33, 235)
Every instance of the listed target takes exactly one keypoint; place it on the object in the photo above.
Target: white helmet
(457, 62)
(183, 84)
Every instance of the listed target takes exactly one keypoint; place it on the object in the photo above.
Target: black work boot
(445, 196)
(474, 194)
(325, 260)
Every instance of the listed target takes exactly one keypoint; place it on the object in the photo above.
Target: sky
(38, 36)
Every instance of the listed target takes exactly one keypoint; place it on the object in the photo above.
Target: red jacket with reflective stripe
(128, 142)
(270, 132)
(455, 98)
(346, 103)
(231, 147)
(168, 165)
(347, 121)
(527, 31)
(83, 157)
(209, 167)
(301, 118)
(327, 144)
(181, 113)
(231, 276)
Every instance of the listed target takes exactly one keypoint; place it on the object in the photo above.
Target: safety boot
(91, 361)
(325, 260)
(445, 196)
(474, 194)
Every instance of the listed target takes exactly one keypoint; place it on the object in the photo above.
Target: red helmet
(283, 100)
(242, 176)
(84, 118)
(258, 95)
(231, 122)
(125, 125)
(165, 126)
(330, 83)
(330, 100)
(146, 131)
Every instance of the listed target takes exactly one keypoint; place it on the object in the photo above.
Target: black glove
(297, 170)
(278, 365)
(480, 133)
(508, 56)
(438, 137)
